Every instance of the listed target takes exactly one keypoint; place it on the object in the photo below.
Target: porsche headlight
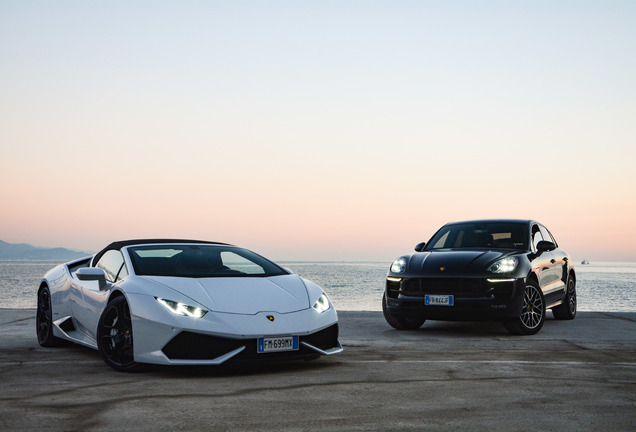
(322, 304)
(179, 308)
(398, 266)
(505, 265)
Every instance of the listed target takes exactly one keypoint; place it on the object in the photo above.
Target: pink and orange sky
(317, 130)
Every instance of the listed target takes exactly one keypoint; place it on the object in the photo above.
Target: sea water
(603, 286)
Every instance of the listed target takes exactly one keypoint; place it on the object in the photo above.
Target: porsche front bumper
(473, 298)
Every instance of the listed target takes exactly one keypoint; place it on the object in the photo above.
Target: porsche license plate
(286, 343)
(439, 300)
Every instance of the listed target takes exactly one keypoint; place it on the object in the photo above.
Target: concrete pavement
(572, 376)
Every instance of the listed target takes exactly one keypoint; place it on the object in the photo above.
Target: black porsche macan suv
(505, 269)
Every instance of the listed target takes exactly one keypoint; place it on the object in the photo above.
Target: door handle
(552, 260)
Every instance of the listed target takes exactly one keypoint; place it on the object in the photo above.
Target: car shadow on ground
(240, 369)
(461, 329)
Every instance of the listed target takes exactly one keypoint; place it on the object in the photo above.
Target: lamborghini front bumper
(161, 337)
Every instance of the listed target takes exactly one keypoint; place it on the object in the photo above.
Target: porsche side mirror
(545, 246)
(92, 274)
(420, 247)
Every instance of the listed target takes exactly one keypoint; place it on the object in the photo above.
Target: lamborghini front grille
(195, 346)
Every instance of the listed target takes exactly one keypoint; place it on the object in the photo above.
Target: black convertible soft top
(122, 243)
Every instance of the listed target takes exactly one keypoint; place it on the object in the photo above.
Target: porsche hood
(244, 295)
(453, 262)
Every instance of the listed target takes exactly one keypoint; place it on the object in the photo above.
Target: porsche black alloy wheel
(401, 323)
(44, 320)
(115, 337)
(532, 314)
(567, 309)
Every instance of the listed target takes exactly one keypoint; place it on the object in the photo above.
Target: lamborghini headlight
(179, 308)
(399, 265)
(505, 265)
(322, 304)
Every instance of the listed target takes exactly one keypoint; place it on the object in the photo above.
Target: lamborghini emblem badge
(442, 268)
(270, 317)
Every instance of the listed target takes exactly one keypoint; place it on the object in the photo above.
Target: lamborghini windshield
(490, 235)
(200, 261)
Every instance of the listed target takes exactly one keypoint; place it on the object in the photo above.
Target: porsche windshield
(491, 235)
(200, 261)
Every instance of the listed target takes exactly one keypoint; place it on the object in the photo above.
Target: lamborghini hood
(242, 295)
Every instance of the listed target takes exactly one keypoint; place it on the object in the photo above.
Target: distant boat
(585, 261)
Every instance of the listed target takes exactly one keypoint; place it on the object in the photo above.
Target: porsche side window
(546, 234)
(111, 262)
(536, 236)
(240, 264)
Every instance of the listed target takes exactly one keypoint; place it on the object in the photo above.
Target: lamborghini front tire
(115, 336)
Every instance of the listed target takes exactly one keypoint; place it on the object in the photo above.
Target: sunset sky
(317, 130)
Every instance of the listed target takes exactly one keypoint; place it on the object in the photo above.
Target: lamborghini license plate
(439, 300)
(286, 343)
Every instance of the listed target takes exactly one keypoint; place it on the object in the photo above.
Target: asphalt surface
(573, 376)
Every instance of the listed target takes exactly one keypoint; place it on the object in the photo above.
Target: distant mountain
(9, 251)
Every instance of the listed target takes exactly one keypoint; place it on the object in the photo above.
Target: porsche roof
(526, 221)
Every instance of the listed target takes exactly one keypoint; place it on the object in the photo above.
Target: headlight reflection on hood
(182, 308)
(322, 304)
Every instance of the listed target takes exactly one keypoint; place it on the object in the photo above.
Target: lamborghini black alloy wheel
(44, 320)
(115, 336)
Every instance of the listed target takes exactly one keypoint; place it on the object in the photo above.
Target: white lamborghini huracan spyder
(184, 302)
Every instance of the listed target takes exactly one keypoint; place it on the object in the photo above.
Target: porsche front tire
(532, 314)
(399, 322)
(115, 336)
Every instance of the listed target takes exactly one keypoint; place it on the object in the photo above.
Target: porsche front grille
(467, 287)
